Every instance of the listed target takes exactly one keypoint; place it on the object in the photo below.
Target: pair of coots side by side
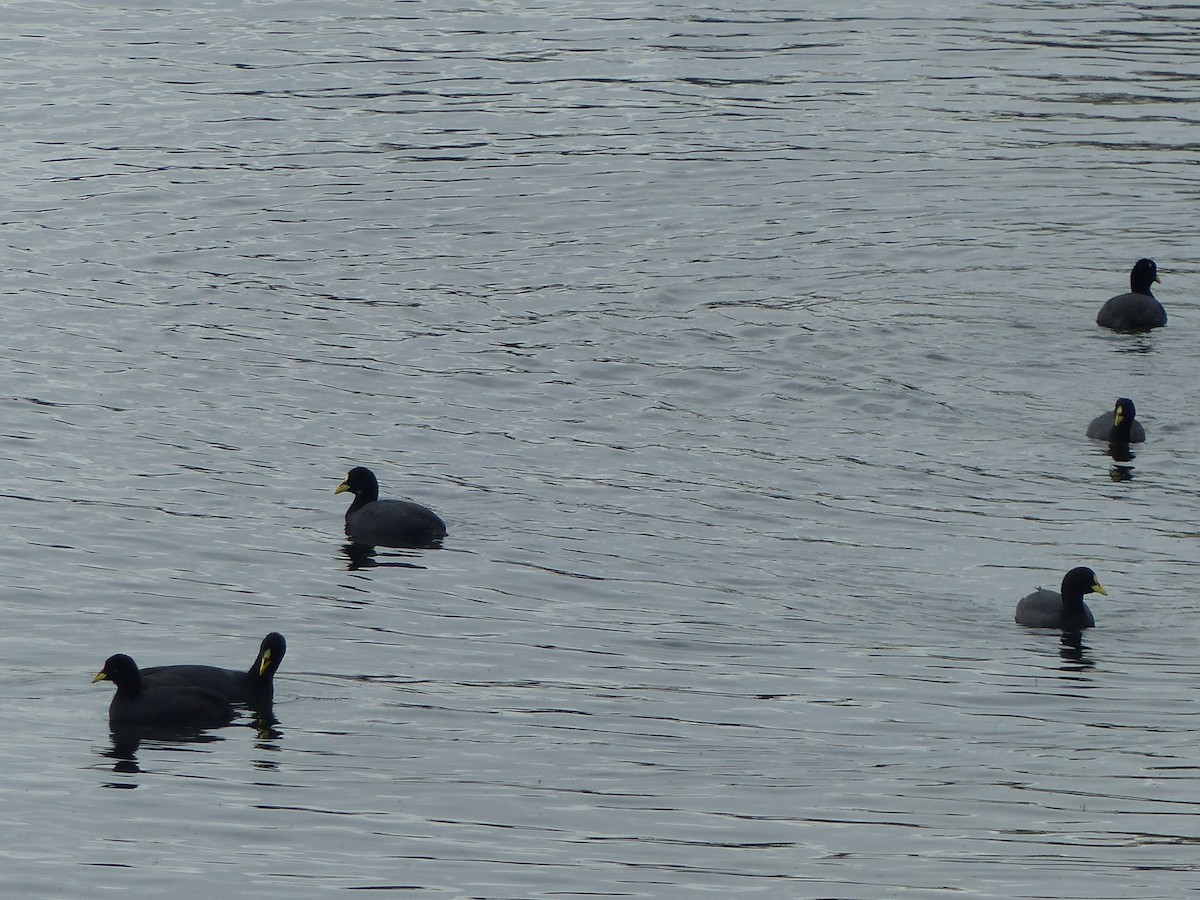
(188, 695)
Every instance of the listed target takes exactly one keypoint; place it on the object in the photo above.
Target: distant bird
(1137, 310)
(1119, 426)
(135, 705)
(387, 523)
(256, 685)
(1066, 610)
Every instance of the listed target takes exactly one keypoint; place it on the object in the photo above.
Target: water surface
(748, 355)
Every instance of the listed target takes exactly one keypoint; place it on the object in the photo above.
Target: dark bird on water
(253, 685)
(1138, 310)
(387, 523)
(1065, 610)
(137, 706)
(1119, 426)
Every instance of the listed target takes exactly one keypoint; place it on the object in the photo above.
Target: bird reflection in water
(264, 723)
(268, 736)
(127, 742)
(1120, 452)
(365, 556)
(1074, 652)
(1121, 455)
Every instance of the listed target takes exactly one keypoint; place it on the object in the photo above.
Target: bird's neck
(1072, 603)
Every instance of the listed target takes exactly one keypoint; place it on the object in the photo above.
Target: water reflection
(127, 742)
(264, 722)
(1074, 652)
(1121, 453)
(267, 736)
(366, 556)
(1142, 345)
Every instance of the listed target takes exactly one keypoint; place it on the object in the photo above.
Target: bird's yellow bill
(100, 676)
(265, 664)
(341, 488)
(1099, 589)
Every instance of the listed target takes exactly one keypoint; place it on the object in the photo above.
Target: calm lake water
(747, 353)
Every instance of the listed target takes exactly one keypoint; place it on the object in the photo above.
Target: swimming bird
(135, 705)
(386, 523)
(256, 685)
(1066, 610)
(1119, 426)
(1137, 310)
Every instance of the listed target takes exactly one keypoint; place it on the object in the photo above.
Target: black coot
(255, 685)
(1138, 310)
(1066, 610)
(135, 705)
(387, 523)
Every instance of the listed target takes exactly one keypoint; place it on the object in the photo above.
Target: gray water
(747, 353)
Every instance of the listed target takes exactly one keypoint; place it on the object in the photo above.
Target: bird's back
(1132, 312)
(1044, 609)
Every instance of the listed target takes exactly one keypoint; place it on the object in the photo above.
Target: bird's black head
(1144, 274)
(1079, 581)
(361, 482)
(1124, 411)
(270, 655)
(121, 670)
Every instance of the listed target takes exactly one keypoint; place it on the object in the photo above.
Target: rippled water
(748, 355)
